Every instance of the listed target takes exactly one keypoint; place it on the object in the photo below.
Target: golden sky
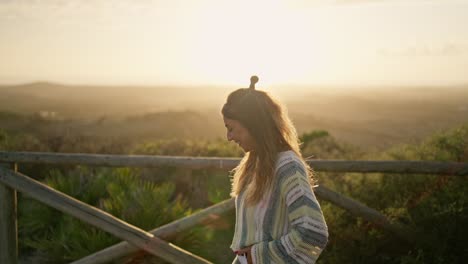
(304, 42)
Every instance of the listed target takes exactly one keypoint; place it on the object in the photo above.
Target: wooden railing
(154, 242)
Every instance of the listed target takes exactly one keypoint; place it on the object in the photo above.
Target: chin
(245, 149)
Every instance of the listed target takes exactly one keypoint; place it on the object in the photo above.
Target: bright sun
(266, 39)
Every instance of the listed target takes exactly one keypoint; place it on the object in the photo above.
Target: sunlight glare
(261, 38)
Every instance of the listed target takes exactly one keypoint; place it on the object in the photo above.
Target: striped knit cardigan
(287, 225)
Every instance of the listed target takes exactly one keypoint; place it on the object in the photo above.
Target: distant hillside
(378, 117)
(84, 101)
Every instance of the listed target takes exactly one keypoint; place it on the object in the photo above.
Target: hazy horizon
(366, 117)
(243, 84)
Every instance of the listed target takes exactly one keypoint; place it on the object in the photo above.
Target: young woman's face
(238, 133)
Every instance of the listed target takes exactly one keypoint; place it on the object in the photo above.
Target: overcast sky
(153, 42)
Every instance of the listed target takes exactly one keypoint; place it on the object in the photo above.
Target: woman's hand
(246, 251)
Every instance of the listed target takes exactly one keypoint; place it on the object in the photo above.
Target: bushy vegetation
(55, 237)
(434, 206)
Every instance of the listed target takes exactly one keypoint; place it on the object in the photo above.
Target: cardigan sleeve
(308, 232)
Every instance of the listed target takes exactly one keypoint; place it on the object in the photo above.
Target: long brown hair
(267, 121)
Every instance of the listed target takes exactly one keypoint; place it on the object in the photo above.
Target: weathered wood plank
(119, 160)
(392, 166)
(97, 218)
(8, 222)
(422, 167)
(360, 210)
(165, 232)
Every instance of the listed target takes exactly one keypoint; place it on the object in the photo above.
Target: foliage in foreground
(434, 206)
(54, 237)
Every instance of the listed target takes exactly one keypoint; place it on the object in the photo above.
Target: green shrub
(319, 144)
(13, 141)
(188, 147)
(434, 206)
(54, 237)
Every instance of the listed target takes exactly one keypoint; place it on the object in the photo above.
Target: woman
(278, 218)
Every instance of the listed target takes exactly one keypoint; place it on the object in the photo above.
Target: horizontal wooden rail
(165, 232)
(420, 167)
(392, 166)
(98, 218)
(118, 160)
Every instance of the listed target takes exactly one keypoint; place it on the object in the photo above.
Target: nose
(229, 136)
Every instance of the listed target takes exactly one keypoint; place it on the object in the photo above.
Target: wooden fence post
(8, 222)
